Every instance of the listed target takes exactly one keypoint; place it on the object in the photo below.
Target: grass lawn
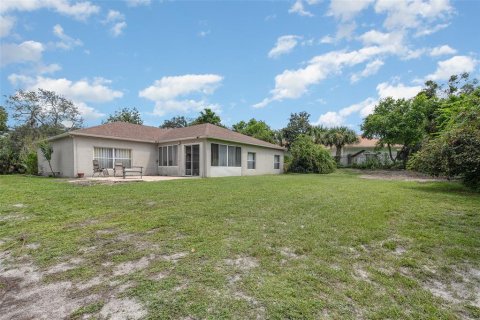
(290, 246)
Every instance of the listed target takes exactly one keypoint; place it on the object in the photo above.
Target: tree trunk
(390, 153)
(338, 153)
(50, 165)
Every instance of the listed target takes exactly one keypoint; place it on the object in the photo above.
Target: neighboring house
(360, 152)
(203, 150)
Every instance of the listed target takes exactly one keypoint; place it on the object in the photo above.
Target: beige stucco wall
(180, 169)
(62, 158)
(143, 154)
(264, 161)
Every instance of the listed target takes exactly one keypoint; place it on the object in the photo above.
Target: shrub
(454, 153)
(308, 157)
(31, 163)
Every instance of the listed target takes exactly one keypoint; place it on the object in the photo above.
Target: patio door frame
(191, 161)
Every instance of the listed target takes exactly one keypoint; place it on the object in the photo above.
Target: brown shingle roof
(211, 131)
(135, 132)
(122, 130)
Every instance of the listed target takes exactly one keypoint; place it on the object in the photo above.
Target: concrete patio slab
(112, 179)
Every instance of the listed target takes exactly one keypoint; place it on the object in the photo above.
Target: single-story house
(365, 149)
(203, 150)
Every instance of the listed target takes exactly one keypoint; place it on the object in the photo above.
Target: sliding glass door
(192, 160)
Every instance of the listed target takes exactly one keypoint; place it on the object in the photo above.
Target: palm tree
(318, 134)
(338, 137)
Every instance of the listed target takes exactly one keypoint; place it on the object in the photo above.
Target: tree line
(436, 132)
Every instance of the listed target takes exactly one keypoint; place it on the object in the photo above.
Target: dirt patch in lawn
(398, 175)
(462, 288)
(28, 292)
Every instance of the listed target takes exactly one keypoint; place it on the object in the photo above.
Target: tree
(47, 151)
(175, 122)
(338, 137)
(399, 122)
(308, 157)
(207, 116)
(3, 120)
(44, 112)
(454, 149)
(256, 129)
(297, 125)
(126, 115)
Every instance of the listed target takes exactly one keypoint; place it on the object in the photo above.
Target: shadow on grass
(448, 187)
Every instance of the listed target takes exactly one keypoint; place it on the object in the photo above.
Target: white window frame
(227, 155)
(275, 162)
(113, 155)
(254, 161)
(167, 154)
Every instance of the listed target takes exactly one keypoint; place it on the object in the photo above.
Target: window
(276, 161)
(225, 156)
(251, 160)
(108, 156)
(168, 156)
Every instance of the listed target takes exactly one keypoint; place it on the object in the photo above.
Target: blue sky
(260, 59)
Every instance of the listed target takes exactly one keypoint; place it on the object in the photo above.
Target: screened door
(192, 160)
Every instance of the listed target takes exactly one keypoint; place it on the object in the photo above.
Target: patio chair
(97, 169)
(118, 169)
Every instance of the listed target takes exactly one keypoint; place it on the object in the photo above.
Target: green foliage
(455, 151)
(9, 158)
(31, 163)
(208, 116)
(47, 151)
(126, 115)
(308, 157)
(3, 120)
(297, 125)
(338, 137)
(399, 122)
(256, 129)
(175, 122)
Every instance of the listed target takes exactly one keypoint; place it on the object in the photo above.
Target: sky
(244, 59)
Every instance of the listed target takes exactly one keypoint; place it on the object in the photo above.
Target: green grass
(321, 245)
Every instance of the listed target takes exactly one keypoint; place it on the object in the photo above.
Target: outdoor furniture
(97, 169)
(134, 169)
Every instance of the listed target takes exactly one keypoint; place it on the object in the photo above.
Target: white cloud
(284, 45)
(403, 14)
(78, 10)
(27, 51)
(292, 84)
(428, 30)
(370, 69)
(117, 23)
(66, 42)
(338, 118)
(299, 9)
(327, 39)
(366, 107)
(82, 90)
(79, 92)
(46, 69)
(399, 91)
(204, 33)
(136, 3)
(6, 25)
(117, 28)
(167, 92)
(454, 65)
(330, 119)
(114, 15)
(442, 50)
(347, 10)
